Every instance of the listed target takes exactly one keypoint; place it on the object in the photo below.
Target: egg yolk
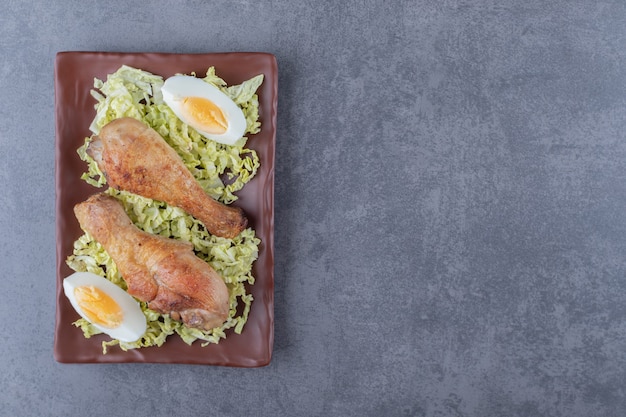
(206, 114)
(98, 306)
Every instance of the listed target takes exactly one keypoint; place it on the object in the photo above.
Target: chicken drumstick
(163, 272)
(135, 158)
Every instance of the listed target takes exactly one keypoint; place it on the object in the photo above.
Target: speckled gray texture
(450, 208)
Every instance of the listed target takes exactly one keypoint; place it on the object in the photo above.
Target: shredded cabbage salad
(222, 170)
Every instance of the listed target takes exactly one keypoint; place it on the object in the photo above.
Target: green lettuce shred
(222, 170)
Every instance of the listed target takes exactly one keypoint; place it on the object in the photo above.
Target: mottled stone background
(450, 208)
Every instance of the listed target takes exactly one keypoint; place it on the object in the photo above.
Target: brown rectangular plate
(74, 111)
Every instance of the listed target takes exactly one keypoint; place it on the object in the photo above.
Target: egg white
(134, 321)
(176, 88)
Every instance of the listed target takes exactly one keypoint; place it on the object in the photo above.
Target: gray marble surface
(450, 208)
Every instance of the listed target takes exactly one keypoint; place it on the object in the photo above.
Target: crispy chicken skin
(163, 272)
(135, 158)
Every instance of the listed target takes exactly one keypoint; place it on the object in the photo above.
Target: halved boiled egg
(205, 108)
(105, 305)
